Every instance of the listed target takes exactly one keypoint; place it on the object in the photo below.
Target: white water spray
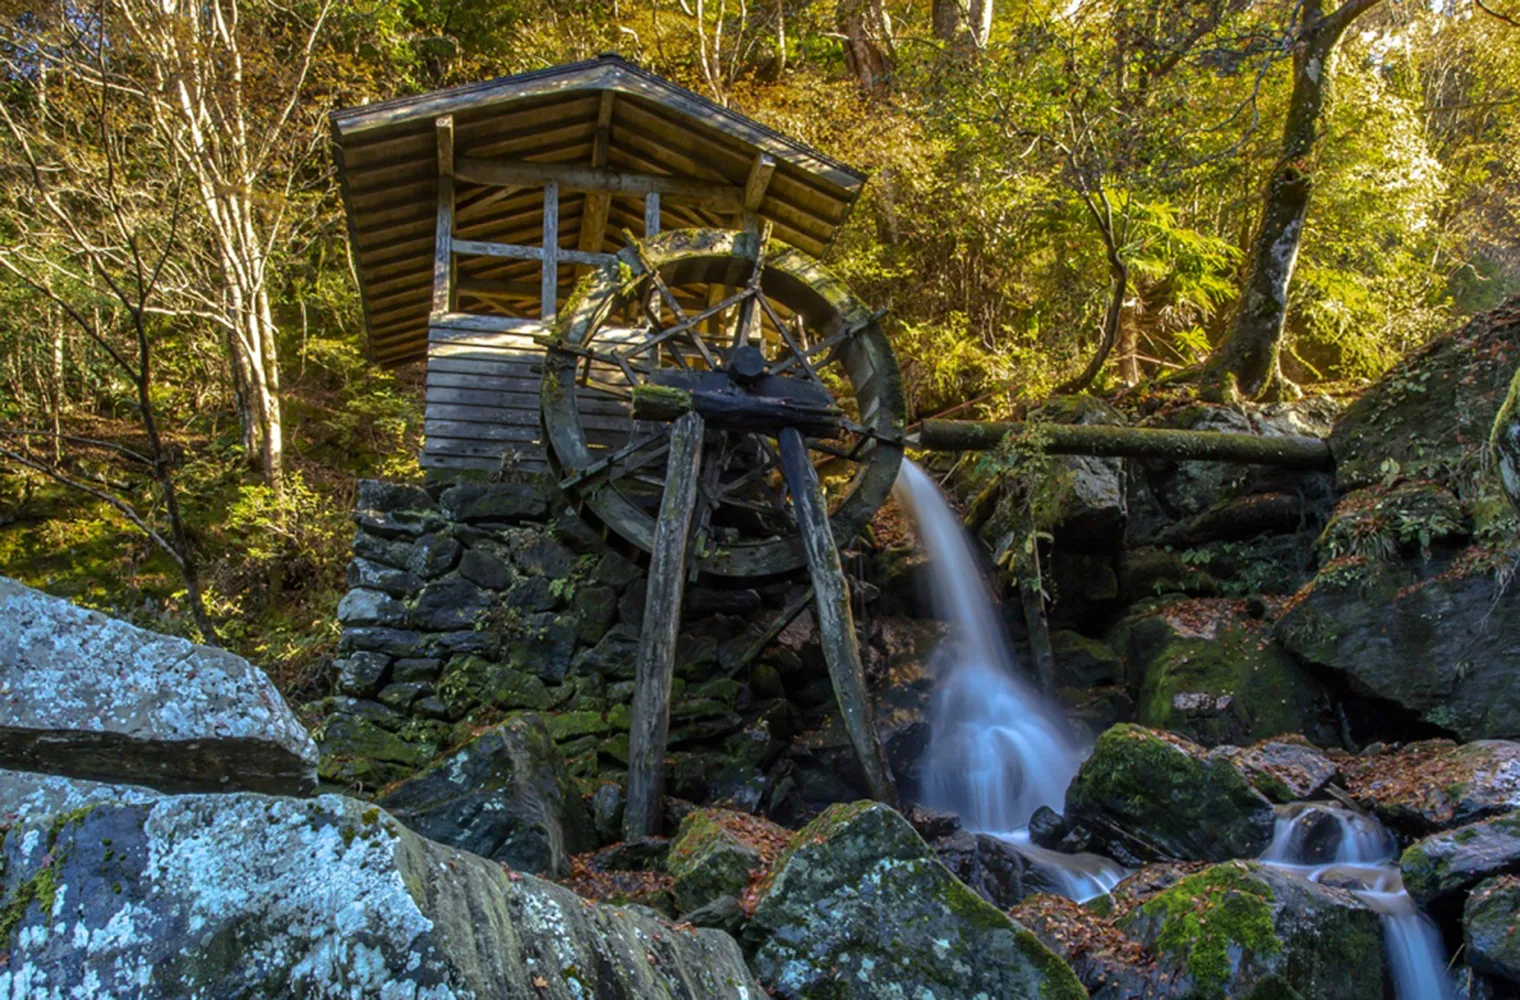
(998, 751)
(1335, 846)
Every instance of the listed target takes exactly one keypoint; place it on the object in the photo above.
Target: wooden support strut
(1292, 452)
(836, 622)
(657, 641)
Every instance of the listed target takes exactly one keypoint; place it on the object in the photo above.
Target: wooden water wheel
(746, 368)
(817, 357)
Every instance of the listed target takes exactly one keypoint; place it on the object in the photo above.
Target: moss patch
(1210, 919)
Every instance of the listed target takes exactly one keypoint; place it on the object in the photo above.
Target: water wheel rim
(789, 277)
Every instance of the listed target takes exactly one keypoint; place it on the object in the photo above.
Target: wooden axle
(1291, 452)
(727, 410)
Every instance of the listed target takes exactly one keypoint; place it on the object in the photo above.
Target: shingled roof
(387, 157)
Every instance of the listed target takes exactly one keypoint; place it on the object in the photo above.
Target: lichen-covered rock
(1491, 927)
(1207, 669)
(1433, 637)
(92, 697)
(1454, 860)
(27, 794)
(505, 795)
(1435, 784)
(1244, 929)
(1145, 795)
(709, 860)
(858, 907)
(222, 896)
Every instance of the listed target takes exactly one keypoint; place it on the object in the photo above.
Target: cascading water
(997, 751)
(1335, 846)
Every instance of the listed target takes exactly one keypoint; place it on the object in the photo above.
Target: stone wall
(469, 602)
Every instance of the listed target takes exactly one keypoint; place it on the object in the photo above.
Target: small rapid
(1335, 846)
(998, 751)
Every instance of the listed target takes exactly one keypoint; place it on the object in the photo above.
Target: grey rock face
(360, 673)
(450, 603)
(92, 697)
(222, 896)
(506, 796)
(858, 906)
(1454, 860)
(362, 606)
(377, 576)
(494, 502)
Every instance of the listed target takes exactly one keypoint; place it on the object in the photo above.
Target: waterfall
(1335, 846)
(997, 749)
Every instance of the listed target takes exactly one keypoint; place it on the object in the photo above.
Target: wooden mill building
(472, 210)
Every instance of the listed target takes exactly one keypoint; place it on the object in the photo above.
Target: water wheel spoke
(686, 325)
(601, 465)
(798, 351)
(849, 455)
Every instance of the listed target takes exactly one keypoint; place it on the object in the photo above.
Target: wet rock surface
(1457, 859)
(858, 906)
(506, 795)
(1435, 784)
(1490, 922)
(222, 896)
(93, 697)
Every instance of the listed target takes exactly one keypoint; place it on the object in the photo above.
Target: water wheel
(769, 371)
(778, 339)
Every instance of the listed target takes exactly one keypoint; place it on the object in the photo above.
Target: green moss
(1207, 916)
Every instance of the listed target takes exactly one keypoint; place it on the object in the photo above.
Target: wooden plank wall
(483, 401)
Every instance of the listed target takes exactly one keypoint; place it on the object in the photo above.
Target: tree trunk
(867, 31)
(1134, 442)
(1250, 353)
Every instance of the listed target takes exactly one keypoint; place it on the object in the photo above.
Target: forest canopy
(1062, 195)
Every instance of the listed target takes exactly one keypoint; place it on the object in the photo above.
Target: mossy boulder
(1285, 769)
(1431, 414)
(857, 906)
(505, 795)
(241, 895)
(713, 855)
(1435, 784)
(1437, 638)
(1208, 669)
(1491, 927)
(1247, 930)
(1457, 859)
(1145, 795)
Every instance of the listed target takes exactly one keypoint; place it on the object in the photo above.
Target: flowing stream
(998, 751)
(1335, 846)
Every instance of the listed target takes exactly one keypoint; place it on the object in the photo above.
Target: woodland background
(184, 399)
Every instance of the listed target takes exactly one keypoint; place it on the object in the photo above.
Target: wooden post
(443, 240)
(662, 622)
(651, 214)
(594, 222)
(759, 179)
(550, 291)
(836, 622)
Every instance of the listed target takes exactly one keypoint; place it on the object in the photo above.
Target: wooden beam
(513, 251)
(594, 216)
(517, 173)
(443, 238)
(754, 190)
(547, 304)
(651, 214)
(836, 622)
(662, 623)
(1292, 452)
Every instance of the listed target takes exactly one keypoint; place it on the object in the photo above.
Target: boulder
(367, 744)
(857, 906)
(242, 894)
(373, 575)
(1145, 795)
(1244, 929)
(711, 856)
(1432, 637)
(1457, 859)
(987, 865)
(360, 673)
(383, 498)
(92, 697)
(450, 603)
(1209, 670)
(1435, 784)
(505, 795)
(1431, 414)
(1288, 769)
(1111, 965)
(1490, 922)
(362, 606)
